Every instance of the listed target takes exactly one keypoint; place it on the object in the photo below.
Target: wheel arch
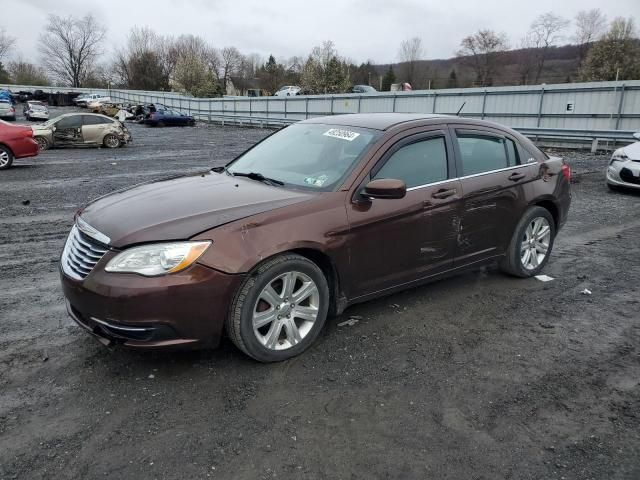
(337, 300)
(8, 148)
(549, 205)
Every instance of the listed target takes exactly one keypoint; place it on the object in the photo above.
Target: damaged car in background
(75, 129)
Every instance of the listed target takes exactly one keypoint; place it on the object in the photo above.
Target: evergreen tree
(4, 75)
(388, 79)
(453, 79)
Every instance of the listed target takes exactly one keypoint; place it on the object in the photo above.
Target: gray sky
(361, 29)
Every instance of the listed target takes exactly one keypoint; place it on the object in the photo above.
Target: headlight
(619, 156)
(157, 259)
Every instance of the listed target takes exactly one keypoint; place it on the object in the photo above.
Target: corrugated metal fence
(575, 106)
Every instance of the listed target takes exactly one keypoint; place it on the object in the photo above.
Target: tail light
(566, 172)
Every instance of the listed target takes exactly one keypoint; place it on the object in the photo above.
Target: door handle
(440, 194)
(515, 176)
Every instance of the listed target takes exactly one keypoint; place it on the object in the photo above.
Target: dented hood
(179, 208)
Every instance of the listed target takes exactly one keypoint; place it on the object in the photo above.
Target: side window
(418, 163)
(512, 150)
(481, 153)
(69, 122)
(92, 120)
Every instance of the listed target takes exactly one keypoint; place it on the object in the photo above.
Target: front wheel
(6, 158)
(531, 244)
(111, 141)
(43, 143)
(280, 309)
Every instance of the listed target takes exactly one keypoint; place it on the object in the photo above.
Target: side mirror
(388, 188)
(54, 128)
(636, 135)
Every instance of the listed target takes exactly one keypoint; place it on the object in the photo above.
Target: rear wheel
(6, 157)
(280, 309)
(531, 244)
(111, 141)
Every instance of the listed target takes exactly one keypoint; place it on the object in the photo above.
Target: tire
(6, 158)
(111, 141)
(516, 261)
(275, 339)
(43, 143)
(161, 124)
(192, 123)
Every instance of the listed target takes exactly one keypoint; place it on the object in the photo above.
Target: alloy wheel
(4, 158)
(286, 310)
(42, 143)
(535, 244)
(111, 141)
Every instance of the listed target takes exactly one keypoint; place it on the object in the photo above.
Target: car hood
(633, 151)
(40, 128)
(179, 208)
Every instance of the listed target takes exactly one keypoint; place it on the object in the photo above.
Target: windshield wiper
(257, 176)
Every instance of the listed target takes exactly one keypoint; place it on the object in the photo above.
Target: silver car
(35, 110)
(624, 166)
(73, 129)
(7, 110)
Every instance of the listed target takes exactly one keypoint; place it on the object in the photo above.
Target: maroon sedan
(16, 141)
(318, 216)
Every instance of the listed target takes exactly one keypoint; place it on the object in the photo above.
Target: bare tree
(6, 43)
(481, 50)
(70, 46)
(545, 32)
(25, 73)
(410, 53)
(590, 25)
(230, 63)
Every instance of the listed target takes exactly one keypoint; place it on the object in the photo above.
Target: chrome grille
(80, 254)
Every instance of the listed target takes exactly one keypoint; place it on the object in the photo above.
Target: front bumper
(185, 310)
(624, 174)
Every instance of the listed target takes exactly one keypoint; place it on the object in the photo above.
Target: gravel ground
(481, 376)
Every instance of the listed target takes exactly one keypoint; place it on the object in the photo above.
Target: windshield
(313, 156)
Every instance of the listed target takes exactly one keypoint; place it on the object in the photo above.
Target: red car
(16, 141)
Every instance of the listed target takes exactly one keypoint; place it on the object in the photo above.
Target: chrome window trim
(525, 165)
(430, 184)
(488, 172)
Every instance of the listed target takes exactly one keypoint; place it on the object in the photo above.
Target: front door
(493, 179)
(68, 131)
(393, 242)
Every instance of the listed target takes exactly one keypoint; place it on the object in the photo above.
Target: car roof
(376, 121)
(83, 113)
(385, 121)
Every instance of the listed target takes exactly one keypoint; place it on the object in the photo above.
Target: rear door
(68, 131)
(492, 177)
(398, 241)
(93, 128)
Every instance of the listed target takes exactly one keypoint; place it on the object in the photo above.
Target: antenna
(461, 107)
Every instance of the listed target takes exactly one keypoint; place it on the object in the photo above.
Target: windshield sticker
(342, 134)
(316, 182)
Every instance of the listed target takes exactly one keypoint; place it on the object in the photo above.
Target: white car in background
(85, 100)
(624, 167)
(35, 110)
(287, 91)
